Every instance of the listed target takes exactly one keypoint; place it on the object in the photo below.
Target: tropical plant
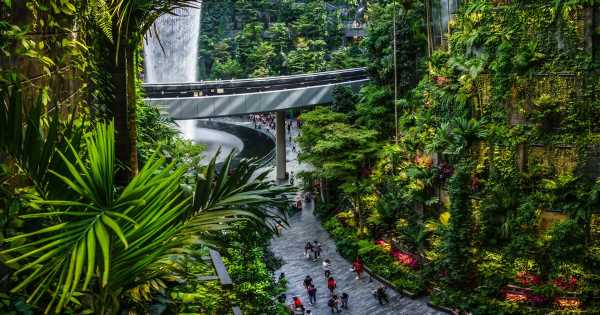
(30, 136)
(95, 247)
(125, 23)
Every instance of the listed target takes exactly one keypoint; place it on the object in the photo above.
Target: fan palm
(109, 240)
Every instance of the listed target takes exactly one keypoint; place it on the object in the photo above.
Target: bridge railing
(242, 86)
(359, 71)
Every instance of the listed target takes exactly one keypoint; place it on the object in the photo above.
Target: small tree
(337, 150)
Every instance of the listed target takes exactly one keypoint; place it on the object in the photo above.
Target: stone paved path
(290, 246)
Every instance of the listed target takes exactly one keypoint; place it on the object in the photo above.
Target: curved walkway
(290, 246)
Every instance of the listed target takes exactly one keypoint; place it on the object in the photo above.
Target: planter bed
(387, 283)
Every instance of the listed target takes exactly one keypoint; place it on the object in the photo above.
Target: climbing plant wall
(491, 187)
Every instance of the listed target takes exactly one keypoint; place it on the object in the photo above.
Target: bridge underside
(241, 104)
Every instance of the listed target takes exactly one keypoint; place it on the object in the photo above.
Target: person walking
(298, 304)
(331, 285)
(336, 304)
(308, 282)
(333, 304)
(307, 249)
(281, 278)
(345, 298)
(281, 298)
(358, 267)
(307, 198)
(312, 294)
(327, 268)
(381, 295)
(317, 249)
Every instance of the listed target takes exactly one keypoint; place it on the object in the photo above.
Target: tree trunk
(589, 23)
(429, 28)
(119, 112)
(131, 105)
(420, 209)
(322, 190)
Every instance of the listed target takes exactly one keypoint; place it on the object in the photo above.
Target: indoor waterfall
(171, 47)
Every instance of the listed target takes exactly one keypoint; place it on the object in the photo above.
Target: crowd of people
(267, 121)
(337, 301)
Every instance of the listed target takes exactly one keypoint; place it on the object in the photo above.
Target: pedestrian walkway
(305, 227)
(290, 247)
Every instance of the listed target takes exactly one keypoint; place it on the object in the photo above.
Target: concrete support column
(280, 144)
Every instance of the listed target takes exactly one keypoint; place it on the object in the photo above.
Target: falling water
(173, 55)
(444, 16)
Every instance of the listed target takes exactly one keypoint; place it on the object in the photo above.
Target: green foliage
(143, 224)
(228, 69)
(458, 243)
(333, 147)
(158, 134)
(252, 273)
(411, 43)
(375, 109)
(564, 243)
(344, 100)
(350, 245)
(255, 287)
(260, 38)
(31, 137)
(345, 240)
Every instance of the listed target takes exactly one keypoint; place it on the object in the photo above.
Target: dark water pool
(247, 142)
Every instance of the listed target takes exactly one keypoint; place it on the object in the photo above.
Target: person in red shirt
(298, 303)
(358, 267)
(331, 284)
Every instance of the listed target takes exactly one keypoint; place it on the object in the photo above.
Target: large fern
(101, 13)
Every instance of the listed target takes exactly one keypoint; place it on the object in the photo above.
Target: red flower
(527, 279)
(563, 283)
(405, 259)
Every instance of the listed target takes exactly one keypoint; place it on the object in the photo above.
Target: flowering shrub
(524, 296)
(568, 303)
(384, 245)
(401, 257)
(424, 161)
(515, 297)
(567, 284)
(405, 259)
(527, 279)
(441, 80)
